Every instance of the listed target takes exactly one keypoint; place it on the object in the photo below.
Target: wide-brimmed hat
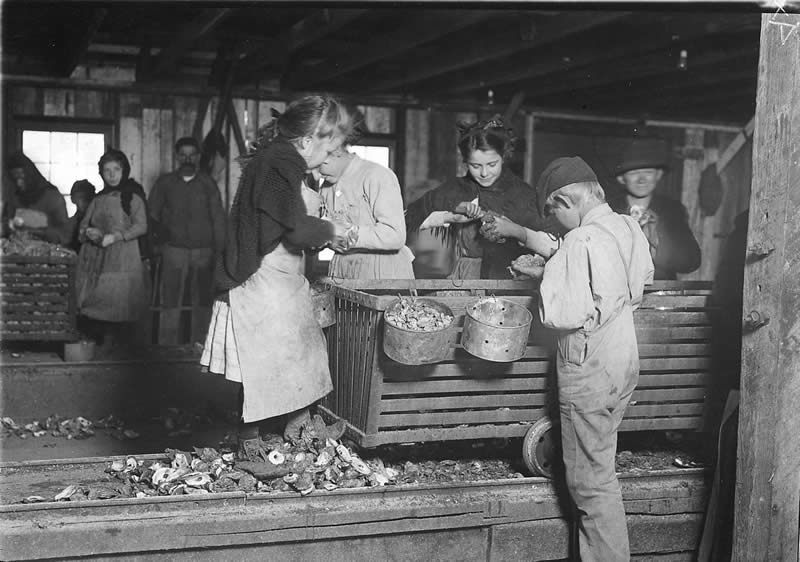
(642, 154)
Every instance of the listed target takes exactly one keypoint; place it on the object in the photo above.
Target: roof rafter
(426, 27)
(187, 36)
(491, 48)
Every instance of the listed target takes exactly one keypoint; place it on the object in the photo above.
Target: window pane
(36, 145)
(89, 172)
(377, 154)
(71, 208)
(91, 147)
(44, 169)
(63, 147)
(63, 176)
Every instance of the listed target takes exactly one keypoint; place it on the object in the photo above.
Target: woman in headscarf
(366, 195)
(111, 278)
(263, 332)
(36, 205)
(458, 208)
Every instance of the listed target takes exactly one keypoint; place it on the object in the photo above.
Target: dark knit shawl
(509, 196)
(267, 204)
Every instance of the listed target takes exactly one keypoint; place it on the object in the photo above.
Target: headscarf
(127, 187)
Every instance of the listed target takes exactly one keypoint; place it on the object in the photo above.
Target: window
(378, 154)
(66, 152)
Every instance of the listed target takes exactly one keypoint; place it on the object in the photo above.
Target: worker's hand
(499, 226)
(470, 209)
(533, 271)
(16, 222)
(109, 239)
(94, 234)
(341, 240)
(437, 219)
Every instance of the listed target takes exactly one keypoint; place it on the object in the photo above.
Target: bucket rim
(469, 307)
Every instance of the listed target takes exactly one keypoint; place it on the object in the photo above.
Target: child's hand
(530, 265)
(470, 209)
(94, 234)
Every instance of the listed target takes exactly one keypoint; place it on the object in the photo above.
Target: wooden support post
(530, 125)
(767, 482)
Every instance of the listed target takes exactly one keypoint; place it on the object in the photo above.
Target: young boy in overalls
(591, 284)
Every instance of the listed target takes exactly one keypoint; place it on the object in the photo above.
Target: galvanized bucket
(324, 308)
(496, 329)
(412, 347)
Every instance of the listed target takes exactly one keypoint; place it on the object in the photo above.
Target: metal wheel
(538, 448)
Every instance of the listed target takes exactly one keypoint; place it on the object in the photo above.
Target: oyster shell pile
(23, 244)
(69, 428)
(417, 316)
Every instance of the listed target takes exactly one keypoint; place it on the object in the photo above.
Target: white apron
(269, 339)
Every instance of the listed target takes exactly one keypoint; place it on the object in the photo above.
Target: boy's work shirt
(590, 288)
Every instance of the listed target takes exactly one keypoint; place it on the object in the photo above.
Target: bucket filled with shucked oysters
(417, 331)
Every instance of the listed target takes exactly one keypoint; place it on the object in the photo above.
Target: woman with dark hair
(111, 278)
(366, 195)
(455, 208)
(263, 332)
(35, 206)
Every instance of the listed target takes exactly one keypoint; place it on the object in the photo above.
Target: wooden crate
(38, 298)
(467, 398)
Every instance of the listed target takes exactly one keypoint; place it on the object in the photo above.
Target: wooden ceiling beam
(72, 54)
(425, 27)
(186, 37)
(640, 68)
(485, 49)
(651, 88)
(307, 31)
(588, 56)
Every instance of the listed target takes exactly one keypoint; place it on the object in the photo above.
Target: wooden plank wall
(147, 126)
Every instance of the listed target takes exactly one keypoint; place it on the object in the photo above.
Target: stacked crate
(38, 298)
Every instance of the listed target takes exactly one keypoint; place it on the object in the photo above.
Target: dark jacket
(187, 214)
(677, 250)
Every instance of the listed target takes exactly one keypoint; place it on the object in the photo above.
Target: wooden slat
(454, 402)
(167, 130)
(674, 363)
(130, 134)
(659, 318)
(668, 394)
(652, 334)
(644, 424)
(34, 307)
(43, 319)
(151, 146)
(674, 349)
(38, 298)
(461, 386)
(673, 380)
(49, 288)
(467, 369)
(450, 433)
(59, 102)
(664, 410)
(675, 301)
(458, 418)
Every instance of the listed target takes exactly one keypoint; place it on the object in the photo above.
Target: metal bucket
(324, 308)
(496, 329)
(412, 347)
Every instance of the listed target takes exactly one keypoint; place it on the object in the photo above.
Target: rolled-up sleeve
(566, 301)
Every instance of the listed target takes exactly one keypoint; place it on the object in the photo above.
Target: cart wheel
(538, 448)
